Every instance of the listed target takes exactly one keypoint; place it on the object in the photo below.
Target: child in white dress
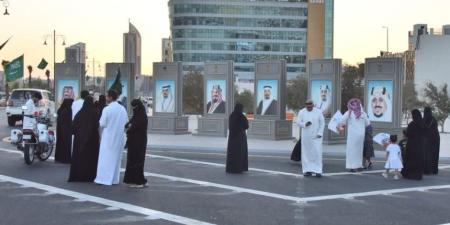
(393, 158)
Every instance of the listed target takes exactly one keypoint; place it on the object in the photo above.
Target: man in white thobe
(78, 104)
(312, 122)
(112, 126)
(356, 121)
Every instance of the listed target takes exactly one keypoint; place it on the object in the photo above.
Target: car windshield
(22, 95)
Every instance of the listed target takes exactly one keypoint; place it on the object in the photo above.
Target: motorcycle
(35, 140)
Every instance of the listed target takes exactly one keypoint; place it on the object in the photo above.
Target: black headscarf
(427, 115)
(238, 108)
(66, 104)
(416, 116)
(138, 107)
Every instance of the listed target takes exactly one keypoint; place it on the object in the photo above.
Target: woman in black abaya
(137, 145)
(64, 132)
(237, 149)
(432, 142)
(86, 143)
(100, 104)
(414, 156)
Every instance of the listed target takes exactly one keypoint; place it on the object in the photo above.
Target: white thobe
(166, 105)
(112, 124)
(76, 107)
(311, 144)
(356, 129)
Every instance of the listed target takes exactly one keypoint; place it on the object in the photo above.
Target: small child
(393, 158)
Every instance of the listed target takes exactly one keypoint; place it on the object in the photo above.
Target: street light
(387, 38)
(5, 5)
(94, 62)
(54, 54)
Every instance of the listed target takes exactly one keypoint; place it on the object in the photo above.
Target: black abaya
(296, 154)
(431, 143)
(237, 149)
(137, 145)
(64, 132)
(86, 143)
(414, 155)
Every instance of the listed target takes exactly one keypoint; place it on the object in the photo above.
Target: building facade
(132, 48)
(76, 53)
(245, 31)
(320, 29)
(166, 52)
(432, 57)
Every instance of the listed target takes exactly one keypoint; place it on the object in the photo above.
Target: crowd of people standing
(92, 136)
(413, 156)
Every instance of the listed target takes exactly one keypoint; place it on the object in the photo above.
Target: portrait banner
(67, 89)
(379, 102)
(267, 97)
(216, 94)
(321, 94)
(165, 99)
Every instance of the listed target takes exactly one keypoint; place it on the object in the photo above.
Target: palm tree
(47, 74)
(30, 69)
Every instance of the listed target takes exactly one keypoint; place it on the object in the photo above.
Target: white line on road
(112, 205)
(259, 170)
(281, 196)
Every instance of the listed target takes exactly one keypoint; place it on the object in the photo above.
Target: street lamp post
(54, 54)
(5, 5)
(94, 62)
(387, 38)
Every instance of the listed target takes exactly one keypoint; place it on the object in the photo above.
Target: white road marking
(106, 202)
(281, 196)
(260, 170)
(250, 155)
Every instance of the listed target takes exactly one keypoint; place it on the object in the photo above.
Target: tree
(246, 98)
(47, 74)
(352, 84)
(193, 92)
(410, 100)
(297, 92)
(439, 100)
(30, 69)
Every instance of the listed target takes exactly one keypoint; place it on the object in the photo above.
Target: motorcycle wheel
(46, 152)
(28, 154)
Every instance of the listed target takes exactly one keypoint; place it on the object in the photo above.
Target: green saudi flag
(117, 85)
(42, 64)
(14, 69)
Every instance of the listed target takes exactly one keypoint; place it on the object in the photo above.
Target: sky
(101, 23)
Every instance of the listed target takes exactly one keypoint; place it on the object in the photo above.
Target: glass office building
(243, 31)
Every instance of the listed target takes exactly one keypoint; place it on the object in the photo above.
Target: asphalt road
(188, 187)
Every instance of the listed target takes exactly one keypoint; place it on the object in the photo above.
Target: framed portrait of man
(267, 97)
(216, 92)
(321, 94)
(379, 102)
(67, 89)
(165, 99)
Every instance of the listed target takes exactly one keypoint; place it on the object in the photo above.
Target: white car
(19, 97)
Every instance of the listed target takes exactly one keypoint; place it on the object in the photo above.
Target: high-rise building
(167, 53)
(132, 48)
(245, 31)
(76, 53)
(320, 29)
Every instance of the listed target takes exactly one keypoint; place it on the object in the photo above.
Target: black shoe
(307, 174)
(318, 175)
(370, 166)
(352, 171)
